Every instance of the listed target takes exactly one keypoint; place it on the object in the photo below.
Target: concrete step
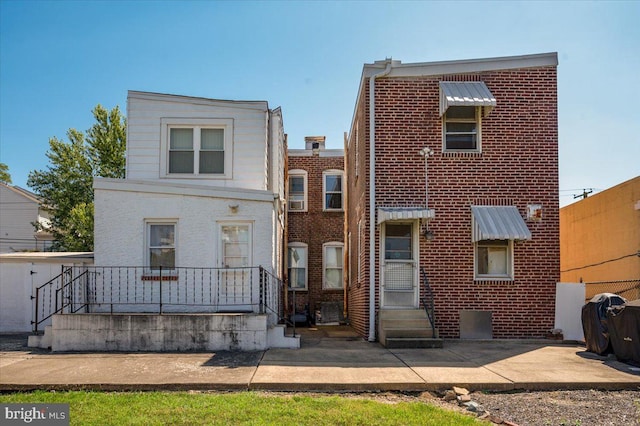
(277, 338)
(405, 323)
(402, 314)
(42, 341)
(413, 342)
(422, 332)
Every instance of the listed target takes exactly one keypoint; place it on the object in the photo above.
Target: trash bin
(624, 331)
(594, 321)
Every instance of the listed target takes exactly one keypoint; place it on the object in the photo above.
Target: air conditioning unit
(296, 205)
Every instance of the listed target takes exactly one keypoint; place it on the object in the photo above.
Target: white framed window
(332, 189)
(332, 261)
(297, 272)
(160, 245)
(461, 129)
(196, 148)
(494, 259)
(297, 191)
(235, 245)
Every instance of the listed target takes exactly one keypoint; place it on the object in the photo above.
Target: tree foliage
(5, 177)
(66, 186)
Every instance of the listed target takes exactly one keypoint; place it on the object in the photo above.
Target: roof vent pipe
(372, 198)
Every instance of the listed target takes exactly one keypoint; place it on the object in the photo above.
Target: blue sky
(59, 59)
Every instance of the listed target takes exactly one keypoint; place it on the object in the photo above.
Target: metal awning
(404, 213)
(465, 93)
(498, 223)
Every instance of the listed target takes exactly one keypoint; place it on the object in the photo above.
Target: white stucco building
(196, 226)
(204, 178)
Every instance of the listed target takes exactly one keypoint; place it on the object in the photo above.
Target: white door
(399, 277)
(236, 281)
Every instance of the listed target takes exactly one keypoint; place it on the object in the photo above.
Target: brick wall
(518, 166)
(315, 227)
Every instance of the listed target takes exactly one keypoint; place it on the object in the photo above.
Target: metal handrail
(57, 289)
(428, 301)
(176, 290)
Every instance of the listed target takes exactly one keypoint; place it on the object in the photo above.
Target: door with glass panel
(399, 282)
(237, 281)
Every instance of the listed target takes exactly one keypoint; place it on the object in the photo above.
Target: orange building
(600, 237)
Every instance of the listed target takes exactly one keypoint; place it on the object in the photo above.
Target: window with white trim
(297, 271)
(297, 191)
(461, 128)
(160, 245)
(494, 259)
(332, 190)
(236, 245)
(196, 148)
(332, 266)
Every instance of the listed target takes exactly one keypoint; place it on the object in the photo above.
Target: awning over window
(465, 93)
(404, 213)
(498, 223)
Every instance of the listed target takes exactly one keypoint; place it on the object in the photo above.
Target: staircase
(407, 328)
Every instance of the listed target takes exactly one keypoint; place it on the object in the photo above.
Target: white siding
(16, 214)
(145, 112)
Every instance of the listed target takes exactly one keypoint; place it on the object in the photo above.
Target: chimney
(315, 143)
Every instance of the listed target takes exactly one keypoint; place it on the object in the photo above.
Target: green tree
(5, 177)
(66, 186)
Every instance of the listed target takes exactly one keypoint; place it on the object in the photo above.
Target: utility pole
(585, 193)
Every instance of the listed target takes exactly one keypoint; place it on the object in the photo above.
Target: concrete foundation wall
(159, 333)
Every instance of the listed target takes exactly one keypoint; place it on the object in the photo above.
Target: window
(161, 246)
(332, 189)
(494, 259)
(236, 245)
(397, 242)
(196, 148)
(297, 266)
(185, 142)
(332, 266)
(462, 128)
(298, 190)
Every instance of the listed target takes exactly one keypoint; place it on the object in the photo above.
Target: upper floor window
(161, 245)
(462, 128)
(332, 190)
(196, 148)
(298, 190)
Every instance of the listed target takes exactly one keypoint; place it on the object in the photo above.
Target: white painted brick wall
(120, 227)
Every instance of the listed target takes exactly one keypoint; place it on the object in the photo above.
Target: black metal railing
(96, 289)
(427, 299)
(629, 289)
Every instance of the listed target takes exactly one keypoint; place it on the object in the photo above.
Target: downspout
(346, 255)
(372, 200)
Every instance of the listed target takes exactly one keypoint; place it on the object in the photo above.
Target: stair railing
(428, 300)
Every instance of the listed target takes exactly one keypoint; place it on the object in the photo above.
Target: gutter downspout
(372, 200)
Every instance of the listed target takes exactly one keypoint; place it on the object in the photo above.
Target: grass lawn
(253, 408)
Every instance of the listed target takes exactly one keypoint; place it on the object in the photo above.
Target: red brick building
(452, 168)
(315, 229)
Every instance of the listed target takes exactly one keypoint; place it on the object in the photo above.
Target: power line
(603, 262)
